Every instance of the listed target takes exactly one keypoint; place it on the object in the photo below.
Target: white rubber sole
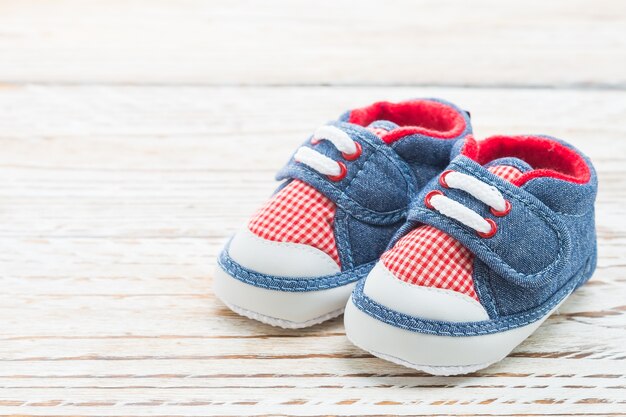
(433, 354)
(289, 310)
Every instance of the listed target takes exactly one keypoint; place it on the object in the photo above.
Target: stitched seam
(393, 158)
(366, 305)
(506, 266)
(377, 149)
(354, 208)
(342, 239)
(483, 287)
(504, 321)
(497, 304)
(574, 216)
(289, 284)
(359, 173)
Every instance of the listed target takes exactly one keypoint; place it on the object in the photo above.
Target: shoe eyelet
(502, 213)
(342, 174)
(429, 196)
(494, 229)
(442, 178)
(355, 154)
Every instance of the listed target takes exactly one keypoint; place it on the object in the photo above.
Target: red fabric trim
(418, 116)
(470, 147)
(548, 157)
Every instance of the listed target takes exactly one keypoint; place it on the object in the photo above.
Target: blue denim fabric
(272, 282)
(372, 200)
(544, 249)
(377, 187)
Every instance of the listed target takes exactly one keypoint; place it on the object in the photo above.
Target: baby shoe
(344, 194)
(491, 248)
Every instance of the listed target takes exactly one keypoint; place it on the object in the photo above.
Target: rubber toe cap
(281, 259)
(418, 301)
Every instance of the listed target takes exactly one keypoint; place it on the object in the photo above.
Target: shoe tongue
(508, 169)
(381, 127)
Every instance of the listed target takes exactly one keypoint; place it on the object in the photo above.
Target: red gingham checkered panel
(298, 214)
(428, 257)
(506, 172)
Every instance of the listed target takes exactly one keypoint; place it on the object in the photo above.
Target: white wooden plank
(340, 42)
(329, 401)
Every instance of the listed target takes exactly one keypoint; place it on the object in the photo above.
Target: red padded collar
(425, 117)
(548, 157)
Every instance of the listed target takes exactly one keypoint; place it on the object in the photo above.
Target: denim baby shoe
(344, 194)
(492, 247)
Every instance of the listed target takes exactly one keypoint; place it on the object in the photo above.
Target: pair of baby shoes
(445, 252)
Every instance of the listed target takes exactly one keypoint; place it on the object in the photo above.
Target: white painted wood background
(135, 136)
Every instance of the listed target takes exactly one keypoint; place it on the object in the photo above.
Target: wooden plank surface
(443, 42)
(115, 201)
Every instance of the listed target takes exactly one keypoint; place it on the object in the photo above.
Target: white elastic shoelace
(484, 192)
(321, 163)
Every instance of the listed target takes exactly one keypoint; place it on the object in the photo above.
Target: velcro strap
(531, 245)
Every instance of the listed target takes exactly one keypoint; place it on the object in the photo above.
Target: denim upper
(372, 200)
(543, 249)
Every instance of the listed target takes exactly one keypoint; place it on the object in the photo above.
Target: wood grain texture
(486, 43)
(115, 201)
